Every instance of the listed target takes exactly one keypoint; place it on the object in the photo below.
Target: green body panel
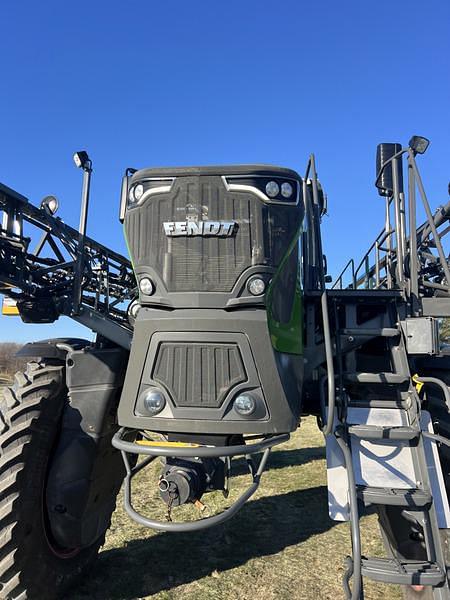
(287, 337)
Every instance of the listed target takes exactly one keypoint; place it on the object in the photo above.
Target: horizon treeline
(9, 362)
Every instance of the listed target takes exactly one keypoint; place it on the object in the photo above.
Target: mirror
(385, 181)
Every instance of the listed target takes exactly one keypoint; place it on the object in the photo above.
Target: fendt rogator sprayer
(210, 345)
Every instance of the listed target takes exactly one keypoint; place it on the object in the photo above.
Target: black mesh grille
(198, 375)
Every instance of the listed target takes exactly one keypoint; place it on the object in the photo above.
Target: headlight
(133, 309)
(256, 286)
(286, 190)
(272, 189)
(153, 401)
(146, 286)
(245, 404)
(136, 193)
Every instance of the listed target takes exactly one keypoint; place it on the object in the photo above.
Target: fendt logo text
(204, 228)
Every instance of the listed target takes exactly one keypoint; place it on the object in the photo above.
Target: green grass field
(281, 545)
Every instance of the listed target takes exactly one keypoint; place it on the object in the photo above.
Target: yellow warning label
(166, 444)
(9, 308)
(419, 384)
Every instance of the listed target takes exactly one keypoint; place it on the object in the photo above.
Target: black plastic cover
(220, 170)
(385, 182)
(189, 264)
(86, 471)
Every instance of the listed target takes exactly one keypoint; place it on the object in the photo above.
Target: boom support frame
(67, 273)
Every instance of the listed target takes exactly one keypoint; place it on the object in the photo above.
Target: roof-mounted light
(82, 160)
(419, 144)
(50, 204)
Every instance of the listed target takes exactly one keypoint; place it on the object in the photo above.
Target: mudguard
(86, 472)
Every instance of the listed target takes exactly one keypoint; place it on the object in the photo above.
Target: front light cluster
(136, 193)
(256, 286)
(245, 404)
(133, 308)
(146, 286)
(276, 189)
(153, 401)
(273, 189)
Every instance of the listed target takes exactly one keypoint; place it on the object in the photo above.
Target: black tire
(31, 566)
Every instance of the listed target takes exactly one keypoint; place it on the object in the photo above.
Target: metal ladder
(399, 427)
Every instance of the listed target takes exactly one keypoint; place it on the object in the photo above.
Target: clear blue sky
(145, 83)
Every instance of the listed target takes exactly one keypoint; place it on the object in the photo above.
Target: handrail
(380, 239)
(430, 218)
(398, 253)
(328, 428)
(351, 263)
(439, 383)
(389, 161)
(315, 268)
(354, 568)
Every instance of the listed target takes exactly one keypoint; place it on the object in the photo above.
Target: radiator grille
(188, 264)
(198, 375)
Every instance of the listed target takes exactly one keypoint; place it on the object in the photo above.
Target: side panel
(86, 472)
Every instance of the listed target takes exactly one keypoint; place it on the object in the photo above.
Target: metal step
(383, 432)
(390, 378)
(383, 332)
(402, 573)
(410, 498)
(394, 404)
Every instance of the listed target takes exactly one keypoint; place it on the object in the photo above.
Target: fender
(86, 472)
(53, 348)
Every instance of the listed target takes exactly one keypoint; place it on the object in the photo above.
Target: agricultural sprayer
(212, 341)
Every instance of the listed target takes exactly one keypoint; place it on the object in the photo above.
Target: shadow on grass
(282, 459)
(294, 458)
(262, 528)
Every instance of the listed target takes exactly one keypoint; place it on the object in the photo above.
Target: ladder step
(383, 332)
(412, 498)
(394, 404)
(383, 432)
(391, 378)
(402, 573)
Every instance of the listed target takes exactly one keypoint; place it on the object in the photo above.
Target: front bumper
(127, 448)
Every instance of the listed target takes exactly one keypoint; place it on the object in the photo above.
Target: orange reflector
(9, 308)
